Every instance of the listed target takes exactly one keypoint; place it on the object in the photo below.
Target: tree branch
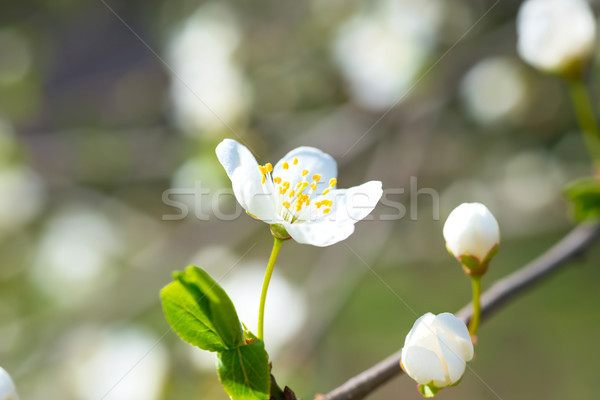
(572, 245)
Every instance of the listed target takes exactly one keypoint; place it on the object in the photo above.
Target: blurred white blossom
(531, 181)
(116, 364)
(22, 195)
(75, 254)
(494, 89)
(380, 52)
(208, 88)
(555, 35)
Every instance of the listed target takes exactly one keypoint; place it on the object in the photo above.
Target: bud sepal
(279, 232)
(428, 390)
(473, 267)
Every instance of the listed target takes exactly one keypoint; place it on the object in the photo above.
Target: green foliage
(202, 314)
(200, 311)
(584, 197)
(244, 372)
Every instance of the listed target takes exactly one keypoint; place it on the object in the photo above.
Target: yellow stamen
(304, 185)
(285, 165)
(269, 167)
(286, 204)
(295, 162)
(325, 191)
(292, 193)
(305, 172)
(316, 177)
(326, 211)
(277, 180)
(332, 182)
(264, 178)
(313, 186)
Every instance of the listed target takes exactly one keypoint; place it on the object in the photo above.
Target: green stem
(265, 287)
(474, 324)
(586, 117)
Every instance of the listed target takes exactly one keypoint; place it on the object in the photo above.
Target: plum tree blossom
(435, 352)
(299, 196)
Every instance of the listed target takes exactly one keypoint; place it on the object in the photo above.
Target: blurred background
(105, 106)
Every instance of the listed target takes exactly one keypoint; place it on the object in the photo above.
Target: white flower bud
(556, 35)
(471, 231)
(7, 387)
(436, 350)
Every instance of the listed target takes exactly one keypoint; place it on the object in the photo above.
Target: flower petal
(422, 365)
(352, 205)
(349, 206)
(7, 386)
(319, 234)
(460, 340)
(420, 329)
(242, 168)
(310, 159)
(455, 364)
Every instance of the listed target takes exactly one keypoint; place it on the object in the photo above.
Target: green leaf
(244, 372)
(584, 198)
(200, 311)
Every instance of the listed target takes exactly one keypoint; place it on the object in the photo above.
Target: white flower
(436, 350)
(555, 35)
(299, 193)
(471, 230)
(7, 387)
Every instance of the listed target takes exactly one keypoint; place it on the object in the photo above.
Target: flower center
(293, 199)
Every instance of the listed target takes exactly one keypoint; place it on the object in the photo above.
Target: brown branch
(503, 290)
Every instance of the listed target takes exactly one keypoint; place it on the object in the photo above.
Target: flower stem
(474, 324)
(265, 287)
(586, 118)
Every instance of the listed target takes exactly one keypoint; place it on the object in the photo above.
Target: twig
(569, 247)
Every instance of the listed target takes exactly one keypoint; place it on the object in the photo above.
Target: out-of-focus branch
(573, 244)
